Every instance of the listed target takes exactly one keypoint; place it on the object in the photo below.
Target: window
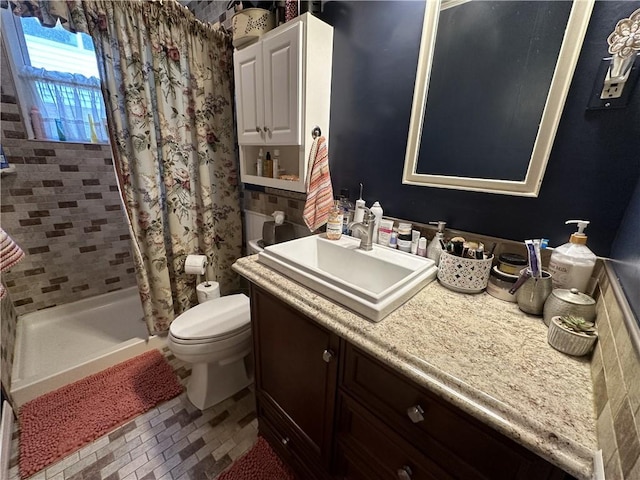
(57, 78)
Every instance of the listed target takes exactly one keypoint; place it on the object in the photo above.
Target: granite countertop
(481, 354)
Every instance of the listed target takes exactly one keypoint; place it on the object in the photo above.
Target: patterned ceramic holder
(466, 275)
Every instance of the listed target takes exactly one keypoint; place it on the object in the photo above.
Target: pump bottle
(571, 264)
(435, 247)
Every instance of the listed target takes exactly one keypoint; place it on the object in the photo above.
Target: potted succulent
(572, 335)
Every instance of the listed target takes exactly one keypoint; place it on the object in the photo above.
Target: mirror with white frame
(490, 88)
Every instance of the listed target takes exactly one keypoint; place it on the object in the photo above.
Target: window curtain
(168, 85)
(71, 106)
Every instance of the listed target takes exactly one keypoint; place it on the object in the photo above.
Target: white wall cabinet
(283, 91)
(268, 81)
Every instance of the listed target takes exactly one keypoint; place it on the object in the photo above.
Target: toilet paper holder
(197, 265)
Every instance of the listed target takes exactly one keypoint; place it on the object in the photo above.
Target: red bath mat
(60, 422)
(259, 463)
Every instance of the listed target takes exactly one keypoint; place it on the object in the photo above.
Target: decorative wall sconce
(624, 44)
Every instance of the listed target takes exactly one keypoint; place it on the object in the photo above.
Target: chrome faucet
(365, 227)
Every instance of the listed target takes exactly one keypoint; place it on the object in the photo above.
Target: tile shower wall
(615, 370)
(9, 321)
(62, 206)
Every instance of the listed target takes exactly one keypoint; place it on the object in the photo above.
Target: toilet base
(211, 383)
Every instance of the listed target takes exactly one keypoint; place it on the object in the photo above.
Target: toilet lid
(221, 317)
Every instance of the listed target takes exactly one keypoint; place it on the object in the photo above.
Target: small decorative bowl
(566, 341)
(466, 275)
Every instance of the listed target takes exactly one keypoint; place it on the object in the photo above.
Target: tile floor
(173, 441)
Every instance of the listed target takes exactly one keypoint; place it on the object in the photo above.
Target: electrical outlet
(605, 94)
(612, 90)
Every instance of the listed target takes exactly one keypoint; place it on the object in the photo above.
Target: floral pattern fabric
(168, 86)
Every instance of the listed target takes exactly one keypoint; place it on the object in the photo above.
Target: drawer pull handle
(285, 441)
(266, 130)
(328, 355)
(405, 473)
(415, 413)
(258, 129)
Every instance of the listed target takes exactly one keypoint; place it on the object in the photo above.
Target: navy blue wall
(594, 166)
(626, 253)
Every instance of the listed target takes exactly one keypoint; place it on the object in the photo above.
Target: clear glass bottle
(334, 224)
(347, 207)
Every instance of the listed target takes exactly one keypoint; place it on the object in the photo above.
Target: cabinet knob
(328, 355)
(404, 473)
(258, 129)
(285, 441)
(415, 413)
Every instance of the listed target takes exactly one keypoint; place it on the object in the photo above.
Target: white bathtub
(59, 345)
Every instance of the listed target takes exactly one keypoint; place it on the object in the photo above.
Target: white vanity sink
(372, 283)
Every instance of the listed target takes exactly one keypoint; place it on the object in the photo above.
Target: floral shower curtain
(167, 80)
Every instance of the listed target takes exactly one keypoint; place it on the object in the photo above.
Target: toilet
(215, 337)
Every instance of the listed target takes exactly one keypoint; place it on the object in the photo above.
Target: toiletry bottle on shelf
(334, 223)
(404, 237)
(571, 264)
(422, 247)
(268, 166)
(259, 164)
(393, 239)
(347, 207)
(276, 163)
(376, 209)
(358, 216)
(435, 247)
(92, 129)
(37, 123)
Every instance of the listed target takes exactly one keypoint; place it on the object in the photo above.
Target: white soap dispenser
(435, 247)
(571, 264)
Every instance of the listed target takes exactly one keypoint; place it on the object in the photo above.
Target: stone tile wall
(62, 206)
(8, 325)
(207, 10)
(615, 369)
(291, 203)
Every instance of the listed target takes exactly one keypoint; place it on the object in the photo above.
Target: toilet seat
(212, 321)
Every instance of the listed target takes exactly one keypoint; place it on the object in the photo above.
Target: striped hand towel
(318, 183)
(10, 254)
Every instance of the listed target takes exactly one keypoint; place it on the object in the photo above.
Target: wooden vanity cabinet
(437, 440)
(296, 379)
(333, 412)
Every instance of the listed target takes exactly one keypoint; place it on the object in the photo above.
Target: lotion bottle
(571, 264)
(376, 209)
(435, 247)
(259, 164)
(276, 163)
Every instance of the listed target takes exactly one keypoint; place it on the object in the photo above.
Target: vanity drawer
(460, 444)
(290, 442)
(368, 448)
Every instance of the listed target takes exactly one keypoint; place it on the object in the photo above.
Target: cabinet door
(296, 369)
(282, 56)
(248, 73)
